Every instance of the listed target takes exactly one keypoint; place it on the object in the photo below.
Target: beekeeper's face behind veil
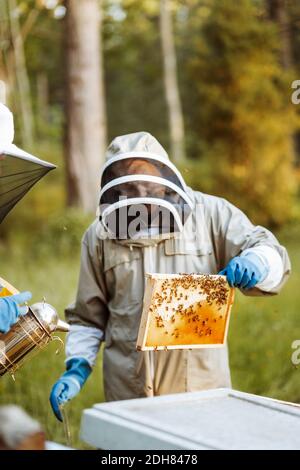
(142, 195)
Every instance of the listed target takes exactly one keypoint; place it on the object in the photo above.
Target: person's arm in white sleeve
(84, 341)
(236, 236)
(89, 313)
(273, 262)
(88, 318)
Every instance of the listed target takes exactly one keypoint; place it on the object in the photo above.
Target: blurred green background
(235, 67)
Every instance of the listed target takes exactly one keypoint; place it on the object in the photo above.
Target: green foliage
(62, 234)
(236, 98)
(243, 115)
(133, 69)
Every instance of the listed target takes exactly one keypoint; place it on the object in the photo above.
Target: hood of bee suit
(143, 195)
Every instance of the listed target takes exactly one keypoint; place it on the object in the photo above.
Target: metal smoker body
(32, 332)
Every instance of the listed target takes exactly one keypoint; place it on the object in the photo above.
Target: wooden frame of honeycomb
(6, 288)
(185, 311)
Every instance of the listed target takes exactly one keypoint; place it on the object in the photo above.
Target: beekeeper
(150, 221)
(10, 306)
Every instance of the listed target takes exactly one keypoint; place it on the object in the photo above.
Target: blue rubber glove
(245, 271)
(10, 309)
(69, 384)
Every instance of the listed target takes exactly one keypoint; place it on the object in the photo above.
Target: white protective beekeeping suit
(206, 233)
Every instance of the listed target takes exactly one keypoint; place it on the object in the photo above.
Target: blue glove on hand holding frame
(245, 271)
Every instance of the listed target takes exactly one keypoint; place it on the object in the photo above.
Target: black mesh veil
(19, 171)
(151, 188)
(125, 167)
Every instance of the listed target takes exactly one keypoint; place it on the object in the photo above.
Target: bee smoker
(31, 333)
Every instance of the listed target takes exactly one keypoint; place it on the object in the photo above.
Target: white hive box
(185, 311)
(214, 419)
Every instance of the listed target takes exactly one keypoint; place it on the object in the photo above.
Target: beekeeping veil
(19, 170)
(142, 192)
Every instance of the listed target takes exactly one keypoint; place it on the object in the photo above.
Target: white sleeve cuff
(75, 382)
(83, 341)
(272, 260)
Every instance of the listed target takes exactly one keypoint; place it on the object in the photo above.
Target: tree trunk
(176, 124)
(277, 11)
(3, 82)
(42, 96)
(3, 37)
(21, 76)
(86, 124)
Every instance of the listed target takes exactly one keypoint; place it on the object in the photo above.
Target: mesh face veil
(19, 171)
(142, 194)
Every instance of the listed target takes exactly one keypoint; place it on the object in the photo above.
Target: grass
(261, 333)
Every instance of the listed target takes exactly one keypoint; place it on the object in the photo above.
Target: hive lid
(220, 419)
(185, 311)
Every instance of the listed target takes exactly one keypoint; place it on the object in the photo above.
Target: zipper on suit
(149, 267)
